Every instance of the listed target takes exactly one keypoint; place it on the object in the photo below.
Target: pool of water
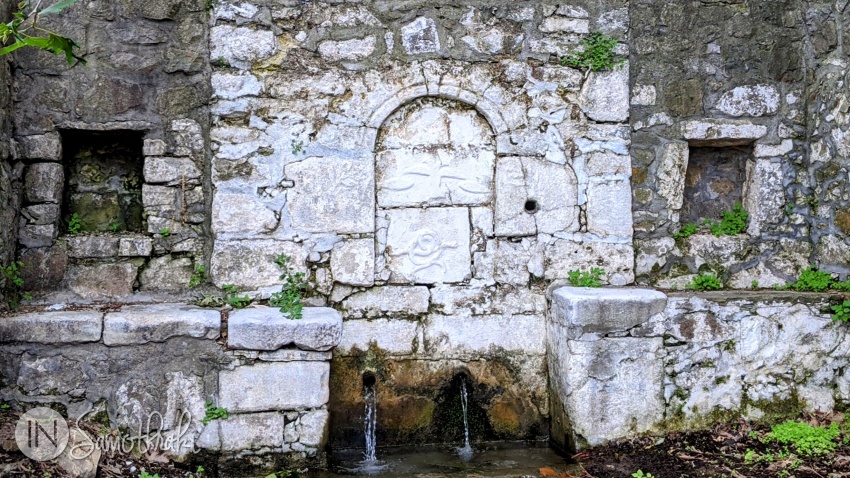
(487, 460)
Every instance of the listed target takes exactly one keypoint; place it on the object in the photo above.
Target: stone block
(313, 427)
(84, 247)
(534, 196)
(387, 301)
(52, 327)
(103, 281)
(428, 245)
(720, 132)
(44, 268)
(240, 46)
(609, 208)
(773, 150)
(167, 273)
(250, 264)
(643, 95)
(332, 195)
(44, 182)
(266, 328)
(41, 214)
(431, 154)
(171, 171)
(154, 147)
(605, 95)
(392, 336)
(751, 100)
(353, 262)
(484, 335)
(32, 236)
(671, 174)
(420, 36)
(584, 310)
(617, 260)
(230, 86)
(251, 431)
(565, 25)
(355, 49)
(45, 147)
(135, 246)
(243, 215)
(140, 324)
(296, 385)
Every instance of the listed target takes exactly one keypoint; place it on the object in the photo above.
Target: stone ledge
(266, 328)
(52, 327)
(157, 323)
(603, 310)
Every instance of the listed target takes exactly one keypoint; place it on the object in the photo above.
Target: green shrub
(586, 279)
(294, 286)
(199, 275)
(687, 230)
(597, 54)
(806, 439)
(841, 312)
(705, 282)
(812, 280)
(75, 224)
(233, 299)
(731, 222)
(14, 284)
(841, 286)
(213, 412)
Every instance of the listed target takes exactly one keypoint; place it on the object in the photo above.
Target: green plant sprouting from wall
(14, 284)
(841, 312)
(705, 282)
(199, 275)
(731, 223)
(75, 224)
(233, 299)
(596, 54)
(294, 286)
(213, 412)
(24, 30)
(579, 278)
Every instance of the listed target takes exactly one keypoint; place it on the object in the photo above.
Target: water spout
(464, 452)
(370, 420)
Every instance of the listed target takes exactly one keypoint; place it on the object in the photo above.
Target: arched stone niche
(435, 167)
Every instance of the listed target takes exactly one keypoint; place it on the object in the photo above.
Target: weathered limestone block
(773, 150)
(643, 95)
(41, 214)
(652, 254)
(565, 25)
(752, 100)
(171, 171)
(605, 95)
(230, 86)
(387, 301)
(582, 310)
(135, 246)
(80, 247)
(671, 174)
(312, 428)
(250, 264)
(240, 46)
(45, 268)
(720, 132)
(603, 388)
(764, 195)
(446, 336)
(616, 259)
(535, 196)
(355, 49)
(88, 281)
(428, 245)
(392, 336)
(31, 235)
(47, 147)
(242, 214)
(420, 36)
(266, 328)
(297, 385)
(718, 252)
(609, 208)
(167, 273)
(154, 147)
(353, 262)
(606, 163)
(44, 183)
(332, 195)
(832, 249)
(140, 324)
(251, 431)
(52, 327)
(431, 154)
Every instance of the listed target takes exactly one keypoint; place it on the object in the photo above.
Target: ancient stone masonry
(9, 172)
(432, 170)
(121, 143)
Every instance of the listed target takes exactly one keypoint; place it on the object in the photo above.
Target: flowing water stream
(465, 452)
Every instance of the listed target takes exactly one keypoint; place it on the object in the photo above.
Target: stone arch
(435, 162)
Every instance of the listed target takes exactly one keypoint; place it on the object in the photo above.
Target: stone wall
(147, 79)
(725, 75)
(144, 368)
(623, 362)
(10, 171)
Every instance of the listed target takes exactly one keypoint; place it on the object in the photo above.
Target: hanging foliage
(24, 30)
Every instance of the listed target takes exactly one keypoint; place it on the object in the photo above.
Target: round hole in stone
(368, 379)
(531, 206)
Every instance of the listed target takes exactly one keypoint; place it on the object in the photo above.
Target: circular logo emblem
(41, 434)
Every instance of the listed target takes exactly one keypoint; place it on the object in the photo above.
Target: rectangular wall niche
(714, 181)
(103, 174)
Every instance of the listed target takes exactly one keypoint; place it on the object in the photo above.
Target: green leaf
(57, 7)
(11, 48)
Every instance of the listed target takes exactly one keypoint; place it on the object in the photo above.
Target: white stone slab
(274, 386)
(139, 324)
(266, 328)
(428, 246)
